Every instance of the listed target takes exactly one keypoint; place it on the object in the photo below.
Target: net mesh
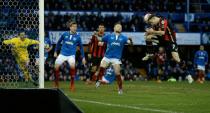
(17, 16)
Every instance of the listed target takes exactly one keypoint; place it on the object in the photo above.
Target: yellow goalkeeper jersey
(20, 47)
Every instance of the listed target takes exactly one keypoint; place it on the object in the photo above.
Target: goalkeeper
(19, 45)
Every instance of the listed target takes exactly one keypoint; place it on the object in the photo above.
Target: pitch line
(124, 106)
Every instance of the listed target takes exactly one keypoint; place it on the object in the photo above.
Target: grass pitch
(140, 97)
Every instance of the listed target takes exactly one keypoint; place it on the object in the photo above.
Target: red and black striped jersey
(165, 25)
(94, 49)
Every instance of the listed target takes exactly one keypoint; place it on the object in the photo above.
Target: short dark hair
(101, 24)
(117, 23)
(71, 23)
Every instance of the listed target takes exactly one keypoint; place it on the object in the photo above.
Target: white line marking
(124, 106)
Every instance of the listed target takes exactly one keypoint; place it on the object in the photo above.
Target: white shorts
(201, 67)
(105, 80)
(61, 59)
(111, 60)
(45, 58)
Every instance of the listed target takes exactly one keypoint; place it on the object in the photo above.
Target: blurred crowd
(132, 23)
(201, 23)
(89, 22)
(117, 5)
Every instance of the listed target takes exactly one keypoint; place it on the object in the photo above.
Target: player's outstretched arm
(50, 48)
(104, 40)
(130, 41)
(33, 42)
(152, 38)
(154, 32)
(9, 41)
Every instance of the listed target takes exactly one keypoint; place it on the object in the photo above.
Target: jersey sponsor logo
(66, 36)
(201, 57)
(68, 42)
(115, 43)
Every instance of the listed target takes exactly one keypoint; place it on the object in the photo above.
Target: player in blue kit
(109, 76)
(115, 44)
(47, 47)
(201, 60)
(69, 40)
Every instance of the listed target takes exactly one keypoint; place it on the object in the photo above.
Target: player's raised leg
(175, 56)
(103, 65)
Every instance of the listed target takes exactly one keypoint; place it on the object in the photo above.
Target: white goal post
(41, 45)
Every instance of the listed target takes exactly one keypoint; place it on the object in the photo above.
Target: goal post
(41, 44)
(17, 65)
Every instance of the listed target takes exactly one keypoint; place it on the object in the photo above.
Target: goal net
(19, 16)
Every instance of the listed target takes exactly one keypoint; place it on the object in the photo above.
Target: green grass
(140, 97)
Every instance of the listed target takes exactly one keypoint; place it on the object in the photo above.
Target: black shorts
(96, 61)
(160, 66)
(172, 47)
(169, 46)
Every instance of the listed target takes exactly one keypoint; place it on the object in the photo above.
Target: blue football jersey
(47, 44)
(115, 45)
(69, 44)
(201, 58)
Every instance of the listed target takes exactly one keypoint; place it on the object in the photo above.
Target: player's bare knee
(94, 69)
(176, 57)
(57, 67)
(177, 60)
(117, 73)
(72, 66)
(103, 64)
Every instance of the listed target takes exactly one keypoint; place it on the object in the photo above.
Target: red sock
(72, 82)
(101, 73)
(119, 81)
(199, 75)
(57, 78)
(202, 76)
(72, 74)
(94, 77)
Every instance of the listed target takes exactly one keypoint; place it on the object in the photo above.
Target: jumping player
(115, 44)
(69, 40)
(161, 32)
